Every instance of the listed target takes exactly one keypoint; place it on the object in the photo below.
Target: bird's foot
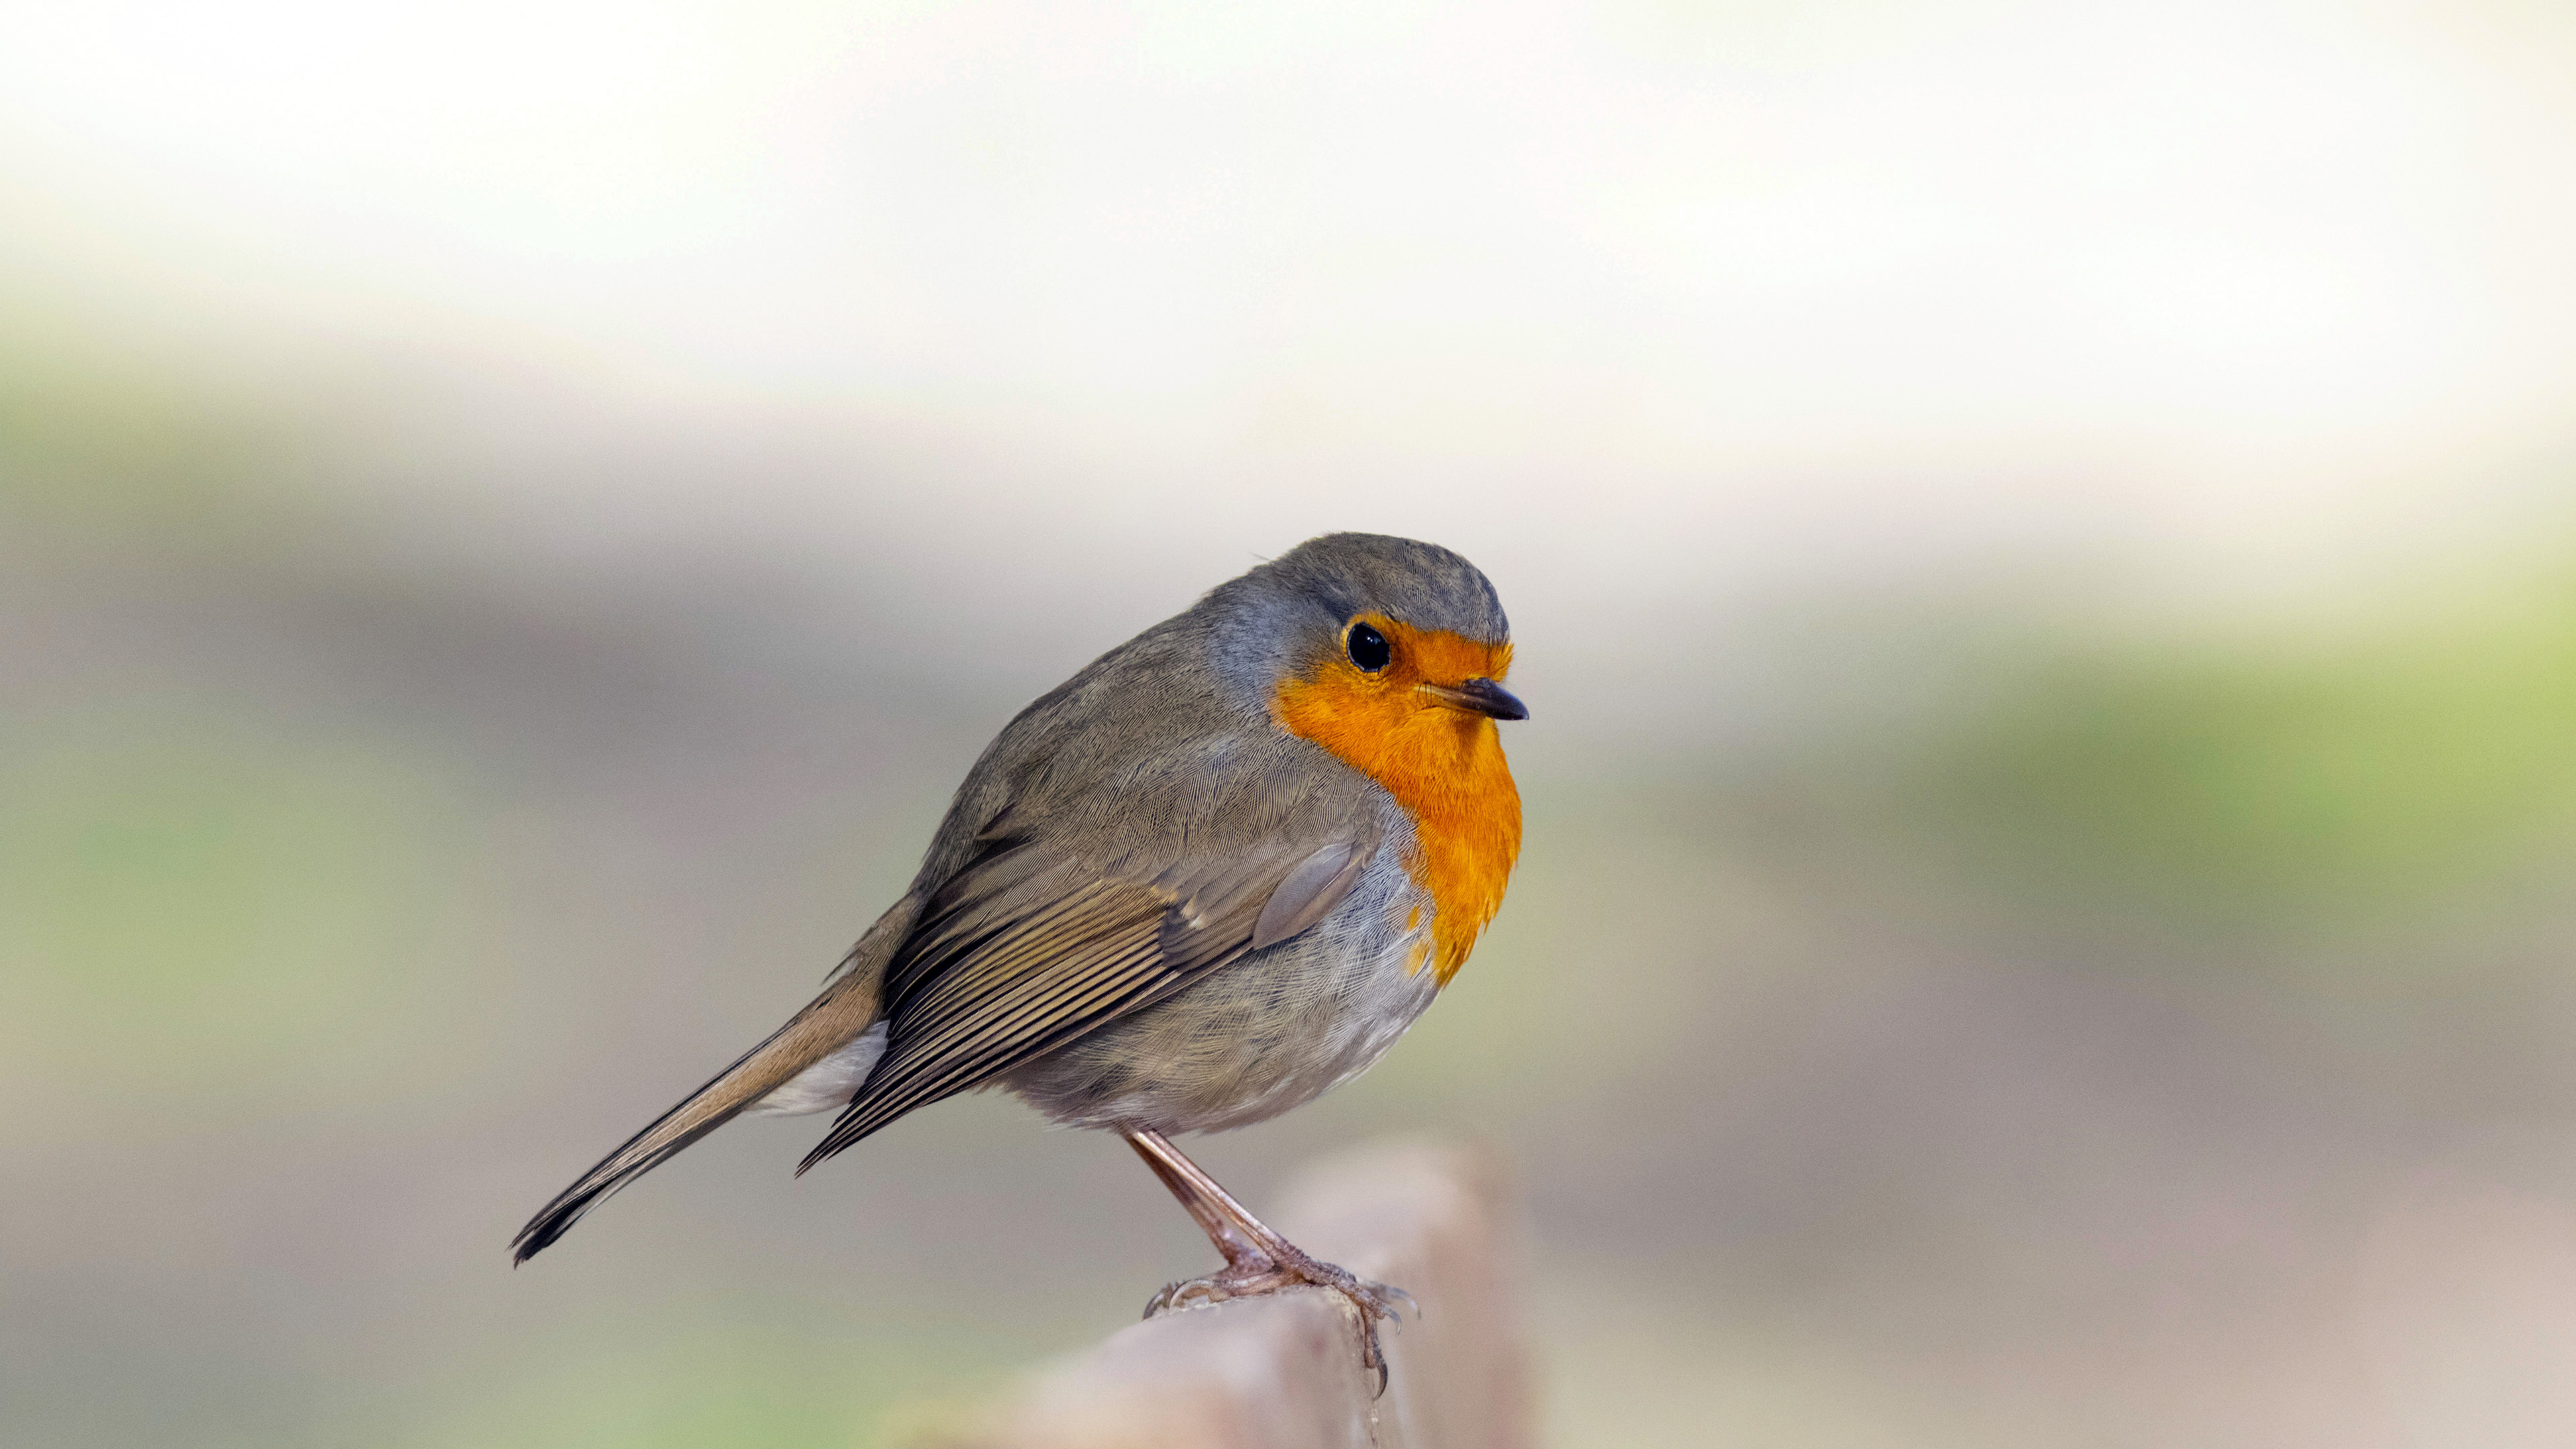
(1256, 1274)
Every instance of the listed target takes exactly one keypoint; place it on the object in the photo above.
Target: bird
(1212, 876)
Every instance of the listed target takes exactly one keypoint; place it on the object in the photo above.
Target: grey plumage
(1148, 904)
(1316, 886)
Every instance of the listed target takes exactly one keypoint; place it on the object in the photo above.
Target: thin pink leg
(1257, 1259)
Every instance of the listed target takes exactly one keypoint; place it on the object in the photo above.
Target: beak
(1478, 696)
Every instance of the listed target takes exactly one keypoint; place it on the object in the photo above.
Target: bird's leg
(1257, 1259)
(1241, 1257)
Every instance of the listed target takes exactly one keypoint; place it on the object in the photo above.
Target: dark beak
(1479, 696)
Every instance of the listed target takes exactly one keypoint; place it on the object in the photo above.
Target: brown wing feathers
(1025, 951)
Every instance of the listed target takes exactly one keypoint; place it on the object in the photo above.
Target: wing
(1028, 948)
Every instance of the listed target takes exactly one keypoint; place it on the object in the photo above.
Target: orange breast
(1444, 766)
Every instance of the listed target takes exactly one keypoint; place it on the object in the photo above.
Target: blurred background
(2039, 540)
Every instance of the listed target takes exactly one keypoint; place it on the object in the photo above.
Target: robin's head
(1390, 655)
(1357, 634)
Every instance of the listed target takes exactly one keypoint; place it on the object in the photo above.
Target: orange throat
(1444, 766)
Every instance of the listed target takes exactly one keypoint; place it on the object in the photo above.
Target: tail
(847, 1007)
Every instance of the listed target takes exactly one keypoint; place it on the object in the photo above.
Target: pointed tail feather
(849, 1005)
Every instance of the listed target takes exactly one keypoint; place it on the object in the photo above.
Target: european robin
(1205, 880)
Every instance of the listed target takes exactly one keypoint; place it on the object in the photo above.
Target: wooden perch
(1283, 1372)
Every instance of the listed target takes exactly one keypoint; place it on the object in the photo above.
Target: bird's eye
(1369, 649)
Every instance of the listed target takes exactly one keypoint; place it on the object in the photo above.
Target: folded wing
(1028, 948)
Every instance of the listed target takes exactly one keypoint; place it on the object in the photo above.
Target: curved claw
(1373, 1301)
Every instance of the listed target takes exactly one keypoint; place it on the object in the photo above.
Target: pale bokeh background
(2039, 539)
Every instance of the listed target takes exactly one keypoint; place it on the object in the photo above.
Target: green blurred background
(2040, 549)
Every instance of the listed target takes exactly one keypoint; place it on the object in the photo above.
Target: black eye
(1368, 648)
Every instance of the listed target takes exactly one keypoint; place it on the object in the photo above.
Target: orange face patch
(1444, 765)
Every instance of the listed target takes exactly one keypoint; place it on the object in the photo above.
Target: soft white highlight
(1807, 296)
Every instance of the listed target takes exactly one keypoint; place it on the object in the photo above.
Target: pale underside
(829, 1084)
